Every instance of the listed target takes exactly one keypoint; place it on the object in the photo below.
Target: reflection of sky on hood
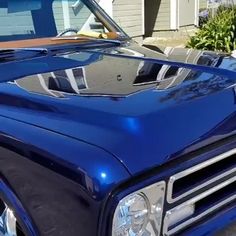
(198, 89)
(228, 63)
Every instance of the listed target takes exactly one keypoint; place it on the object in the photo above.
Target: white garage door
(187, 12)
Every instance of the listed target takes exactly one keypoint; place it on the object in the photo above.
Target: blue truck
(102, 137)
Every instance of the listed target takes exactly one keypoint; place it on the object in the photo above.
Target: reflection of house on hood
(107, 76)
(169, 76)
(56, 83)
(116, 77)
(60, 82)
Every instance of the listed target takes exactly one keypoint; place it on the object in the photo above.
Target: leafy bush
(218, 34)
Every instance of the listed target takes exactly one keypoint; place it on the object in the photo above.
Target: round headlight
(131, 216)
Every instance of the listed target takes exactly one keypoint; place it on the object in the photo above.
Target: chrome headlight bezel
(154, 195)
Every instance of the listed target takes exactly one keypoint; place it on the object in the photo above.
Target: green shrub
(218, 34)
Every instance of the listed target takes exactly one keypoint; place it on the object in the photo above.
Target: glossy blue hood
(144, 107)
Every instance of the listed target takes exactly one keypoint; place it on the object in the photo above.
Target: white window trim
(174, 14)
(196, 22)
(143, 17)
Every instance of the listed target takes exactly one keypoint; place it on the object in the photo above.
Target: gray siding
(157, 16)
(77, 19)
(57, 11)
(163, 17)
(202, 4)
(187, 11)
(15, 23)
(128, 14)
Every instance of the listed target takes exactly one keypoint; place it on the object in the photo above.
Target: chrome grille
(191, 180)
(205, 187)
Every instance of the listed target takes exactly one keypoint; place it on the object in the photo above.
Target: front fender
(61, 183)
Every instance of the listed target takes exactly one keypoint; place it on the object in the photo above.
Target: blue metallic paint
(225, 216)
(214, 225)
(164, 114)
(8, 196)
(66, 172)
(75, 151)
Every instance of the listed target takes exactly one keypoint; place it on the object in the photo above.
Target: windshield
(40, 19)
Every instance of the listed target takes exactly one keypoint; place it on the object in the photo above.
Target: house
(154, 17)
(202, 4)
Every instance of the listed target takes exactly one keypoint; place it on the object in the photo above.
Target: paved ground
(168, 42)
